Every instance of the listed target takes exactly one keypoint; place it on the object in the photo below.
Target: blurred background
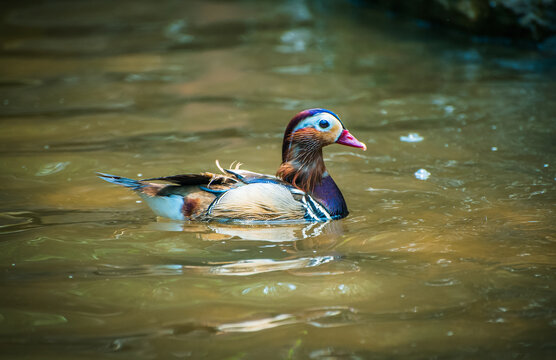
(448, 251)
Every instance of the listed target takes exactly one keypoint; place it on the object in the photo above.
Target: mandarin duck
(302, 189)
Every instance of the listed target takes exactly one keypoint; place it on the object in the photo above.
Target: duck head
(305, 136)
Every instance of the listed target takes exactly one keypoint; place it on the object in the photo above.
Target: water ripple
(236, 268)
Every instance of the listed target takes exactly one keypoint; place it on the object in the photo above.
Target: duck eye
(324, 124)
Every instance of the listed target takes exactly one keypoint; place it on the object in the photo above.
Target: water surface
(460, 265)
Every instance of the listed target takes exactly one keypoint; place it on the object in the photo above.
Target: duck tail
(130, 183)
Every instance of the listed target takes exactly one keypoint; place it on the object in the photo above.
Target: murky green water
(459, 266)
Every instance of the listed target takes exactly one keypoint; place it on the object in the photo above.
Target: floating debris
(422, 174)
(494, 148)
(411, 138)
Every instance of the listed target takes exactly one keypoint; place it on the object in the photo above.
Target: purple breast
(329, 195)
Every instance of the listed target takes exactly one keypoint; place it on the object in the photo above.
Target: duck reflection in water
(297, 243)
(262, 232)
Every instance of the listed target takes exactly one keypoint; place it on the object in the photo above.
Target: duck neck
(303, 167)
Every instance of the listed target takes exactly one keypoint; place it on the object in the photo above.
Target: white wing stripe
(309, 210)
(321, 209)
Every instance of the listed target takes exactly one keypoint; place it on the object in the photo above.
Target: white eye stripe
(313, 121)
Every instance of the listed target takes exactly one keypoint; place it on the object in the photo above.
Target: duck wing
(265, 198)
(194, 179)
(240, 195)
(250, 177)
(258, 201)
